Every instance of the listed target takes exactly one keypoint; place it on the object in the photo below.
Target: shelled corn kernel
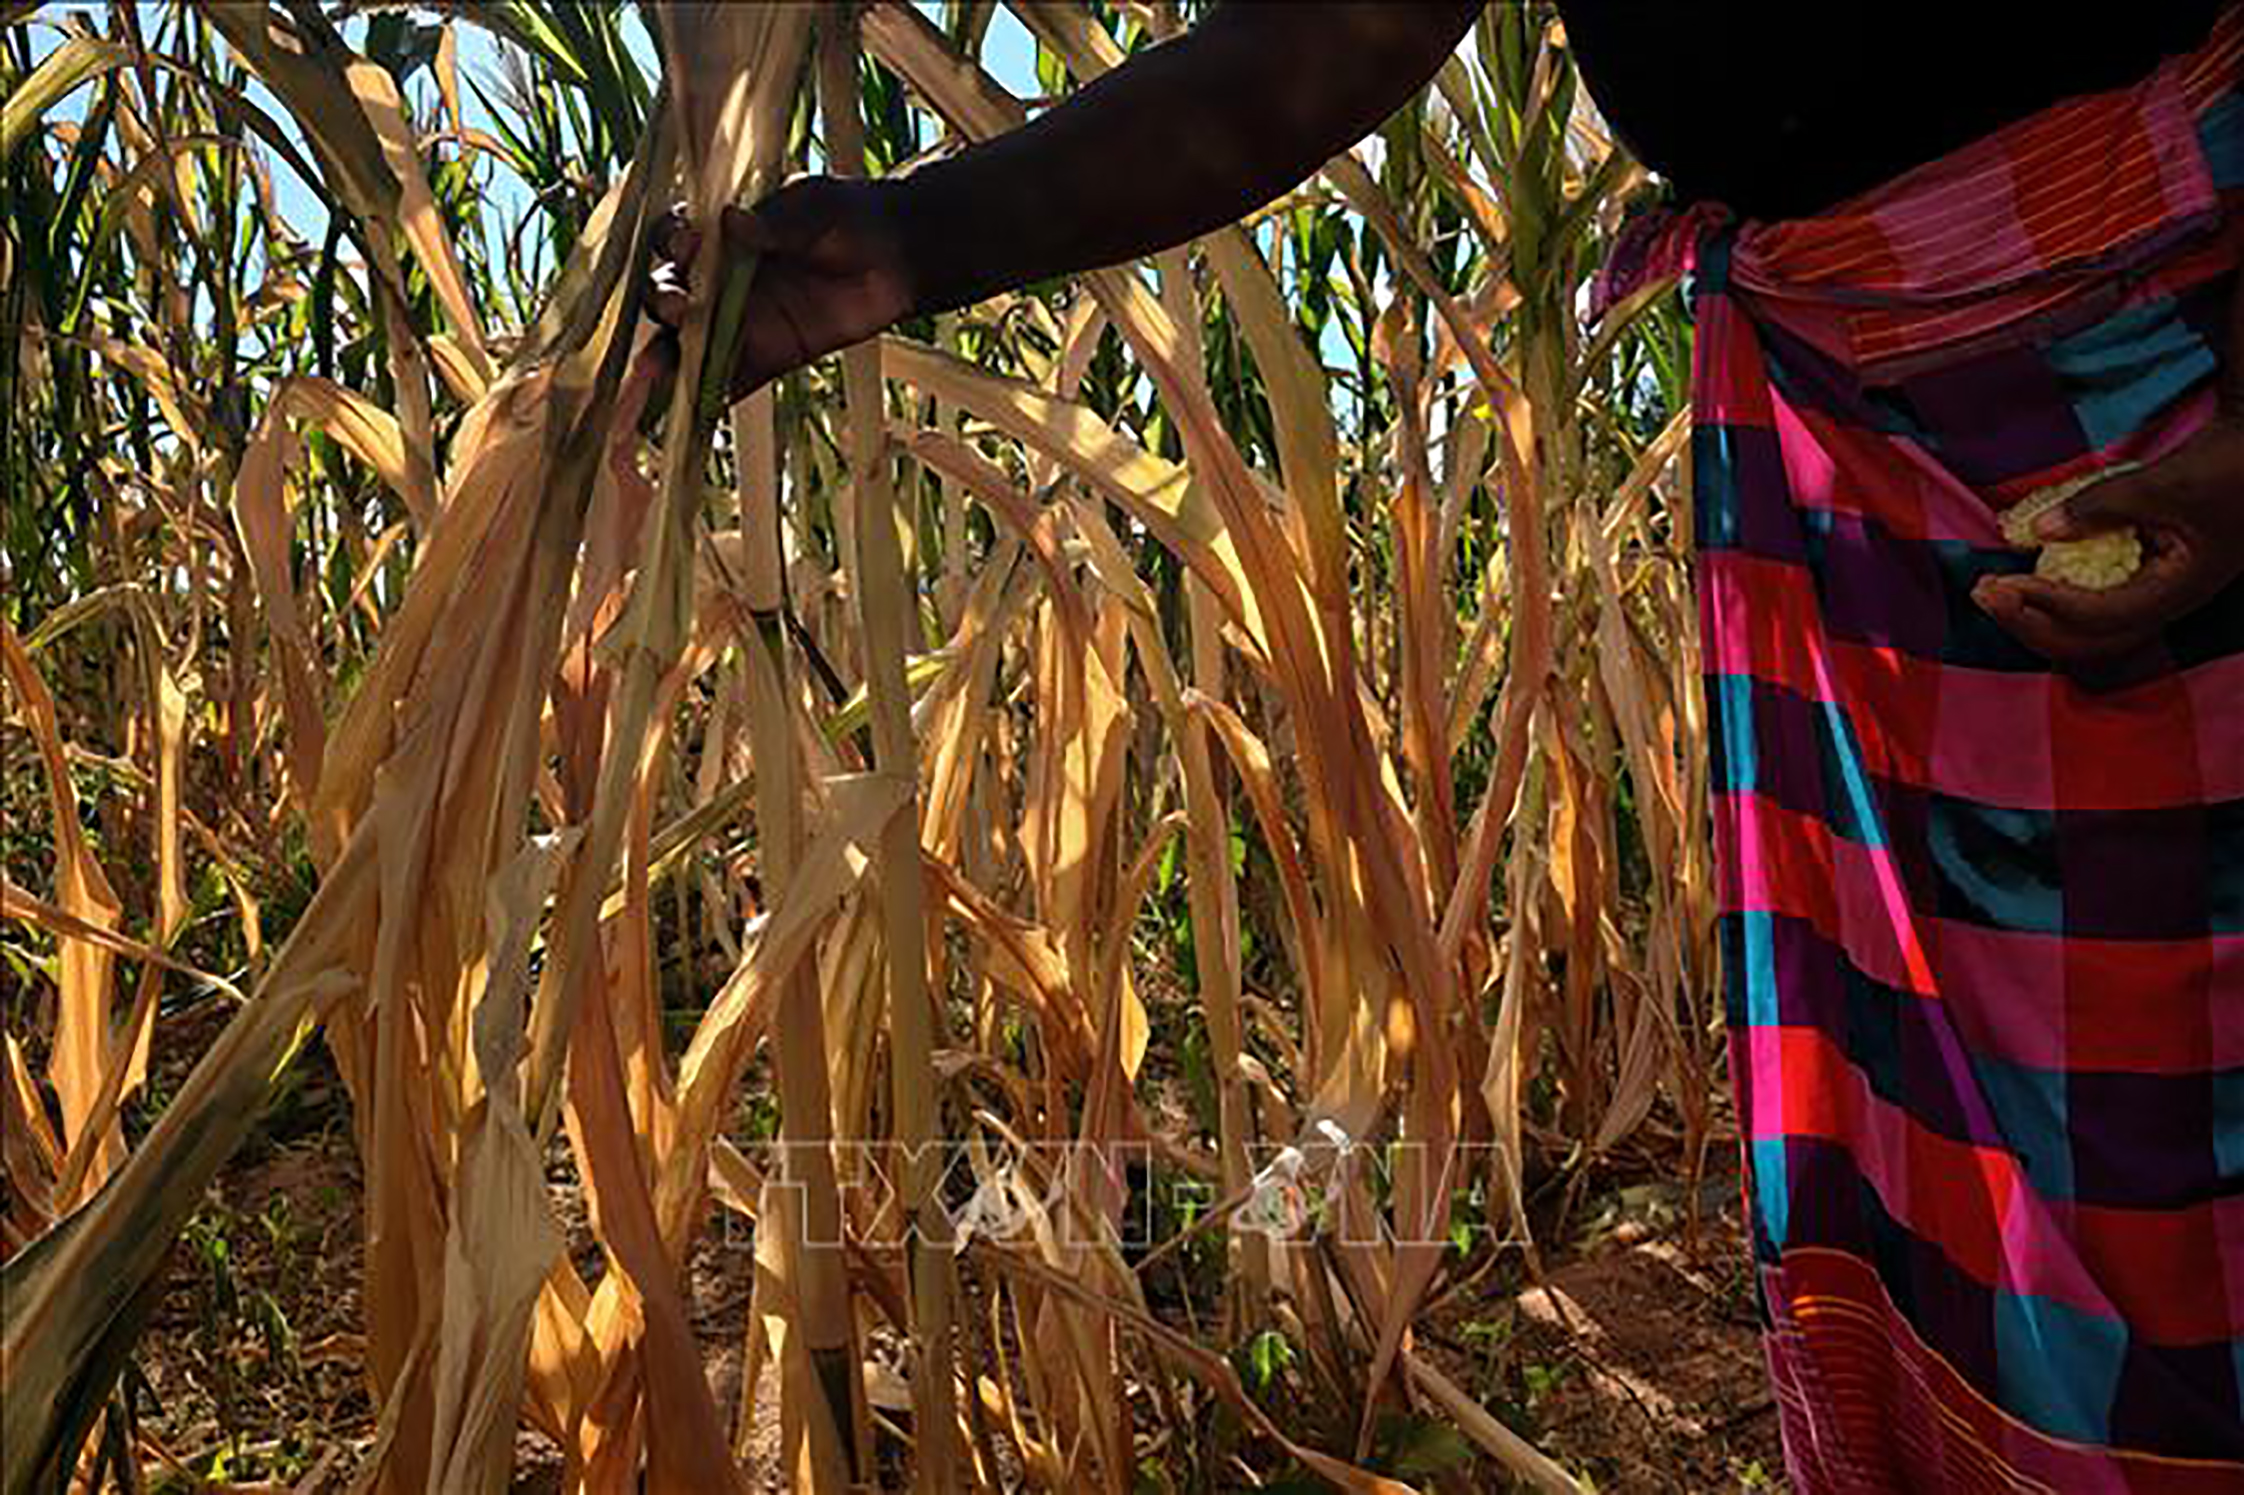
(2099, 562)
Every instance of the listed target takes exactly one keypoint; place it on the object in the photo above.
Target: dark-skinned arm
(1183, 138)
(1188, 136)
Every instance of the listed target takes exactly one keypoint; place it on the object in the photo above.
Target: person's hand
(832, 271)
(2189, 509)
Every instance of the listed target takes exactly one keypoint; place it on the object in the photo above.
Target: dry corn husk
(2097, 563)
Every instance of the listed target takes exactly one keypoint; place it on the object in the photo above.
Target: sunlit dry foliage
(1268, 669)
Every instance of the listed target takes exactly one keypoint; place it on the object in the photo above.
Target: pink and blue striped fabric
(1983, 922)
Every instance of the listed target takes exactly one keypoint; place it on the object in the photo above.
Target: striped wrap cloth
(1982, 921)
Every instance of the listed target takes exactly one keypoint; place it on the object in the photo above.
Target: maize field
(1116, 854)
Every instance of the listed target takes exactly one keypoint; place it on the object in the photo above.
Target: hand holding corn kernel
(2127, 551)
(2096, 562)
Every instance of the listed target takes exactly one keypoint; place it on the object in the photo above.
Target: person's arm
(1186, 137)
(1181, 139)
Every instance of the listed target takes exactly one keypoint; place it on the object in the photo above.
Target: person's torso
(1779, 108)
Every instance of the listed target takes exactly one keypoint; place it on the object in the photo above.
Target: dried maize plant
(1385, 874)
(1618, 978)
(418, 803)
(887, 707)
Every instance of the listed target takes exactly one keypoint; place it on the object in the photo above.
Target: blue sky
(1009, 54)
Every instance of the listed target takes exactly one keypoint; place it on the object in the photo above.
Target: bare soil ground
(1633, 1360)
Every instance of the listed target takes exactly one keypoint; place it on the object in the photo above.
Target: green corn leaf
(67, 67)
